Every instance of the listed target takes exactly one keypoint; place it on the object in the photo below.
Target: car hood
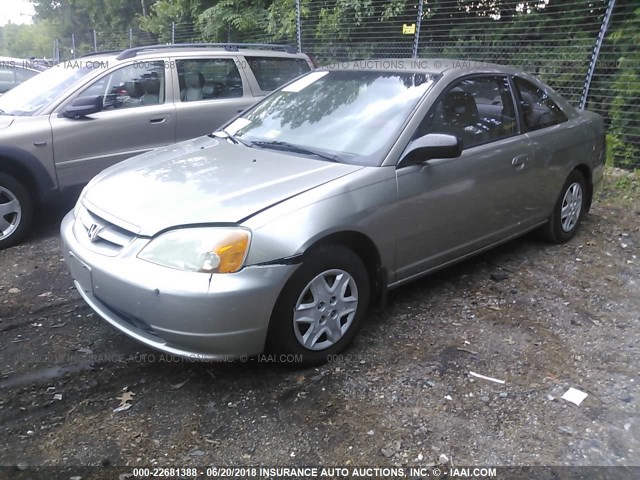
(202, 181)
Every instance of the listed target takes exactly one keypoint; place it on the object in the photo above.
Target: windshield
(37, 92)
(352, 115)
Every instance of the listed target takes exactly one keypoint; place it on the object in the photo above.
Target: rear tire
(320, 308)
(568, 210)
(16, 211)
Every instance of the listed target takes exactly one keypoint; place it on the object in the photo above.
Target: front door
(452, 207)
(136, 118)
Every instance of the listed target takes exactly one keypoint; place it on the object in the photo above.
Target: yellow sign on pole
(408, 29)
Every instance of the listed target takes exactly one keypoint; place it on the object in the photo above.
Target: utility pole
(596, 53)
(416, 38)
(299, 26)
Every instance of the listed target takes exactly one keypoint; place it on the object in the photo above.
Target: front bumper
(194, 315)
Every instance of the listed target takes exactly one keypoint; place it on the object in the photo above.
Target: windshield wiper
(290, 147)
(231, 137)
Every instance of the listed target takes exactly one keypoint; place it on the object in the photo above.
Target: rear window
(273, 72)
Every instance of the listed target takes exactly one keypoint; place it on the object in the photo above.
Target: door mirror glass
(430, 146)
(83, 106)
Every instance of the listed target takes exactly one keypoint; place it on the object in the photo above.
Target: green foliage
(282, 18)
(627, 184)
(553, 39)
(339, 20)
(24, 41)
(165, 12)
(81, 17)
(624, 112)
(235, 20)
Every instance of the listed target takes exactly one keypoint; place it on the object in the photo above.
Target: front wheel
(16, 211)
(321, 307)
(568, 211)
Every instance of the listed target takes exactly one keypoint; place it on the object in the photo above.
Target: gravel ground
(542, 318)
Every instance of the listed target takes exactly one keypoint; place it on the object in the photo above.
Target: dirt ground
(542, 318)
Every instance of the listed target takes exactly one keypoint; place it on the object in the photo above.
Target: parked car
(13, 72)
(40, 64)
(278, 231)
(67, 124)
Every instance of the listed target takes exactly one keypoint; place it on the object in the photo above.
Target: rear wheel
(16, 211)
(321, 307)
(568, 211)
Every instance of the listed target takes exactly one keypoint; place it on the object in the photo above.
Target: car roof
(434, 66)
(19, 62)
(188, 50)
(109, 58)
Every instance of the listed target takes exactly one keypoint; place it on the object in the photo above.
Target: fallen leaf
(125, 398)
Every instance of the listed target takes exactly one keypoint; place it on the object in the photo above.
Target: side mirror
(83, 106)
(430, 146)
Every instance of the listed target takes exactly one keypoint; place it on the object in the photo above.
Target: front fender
(362, 202)
(19, 161)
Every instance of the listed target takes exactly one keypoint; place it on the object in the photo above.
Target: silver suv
(64, 126)
(14, 71)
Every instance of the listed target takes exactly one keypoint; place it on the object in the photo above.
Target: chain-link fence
(587, 50)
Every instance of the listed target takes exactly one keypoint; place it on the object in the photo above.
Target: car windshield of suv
(37, 92)
(347, 116)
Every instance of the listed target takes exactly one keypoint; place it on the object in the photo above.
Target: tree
(111, 19)
(163, 13)
(625, 107)
(235, 20)
(24, 41)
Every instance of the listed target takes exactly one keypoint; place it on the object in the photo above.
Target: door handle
(519, 161)
(157, 121)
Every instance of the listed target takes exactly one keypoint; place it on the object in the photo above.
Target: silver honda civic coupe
(277, 232)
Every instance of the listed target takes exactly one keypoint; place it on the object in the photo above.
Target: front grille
(100, 235)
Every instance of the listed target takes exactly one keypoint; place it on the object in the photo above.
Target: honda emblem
(93, 231)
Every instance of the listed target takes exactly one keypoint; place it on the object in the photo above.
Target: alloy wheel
(10, 212)
(325, 310)
(571, 207)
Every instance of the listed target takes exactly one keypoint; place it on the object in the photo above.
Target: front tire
(568, 211)
(321, 307)
(16, 211)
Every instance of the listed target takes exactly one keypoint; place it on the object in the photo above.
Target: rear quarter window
(273, 72)
(538, 109)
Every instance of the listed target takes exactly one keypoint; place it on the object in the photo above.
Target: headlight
(209, 250)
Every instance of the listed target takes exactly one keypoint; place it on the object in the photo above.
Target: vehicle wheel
(16, 211)
(568, 211)
(320, 308)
